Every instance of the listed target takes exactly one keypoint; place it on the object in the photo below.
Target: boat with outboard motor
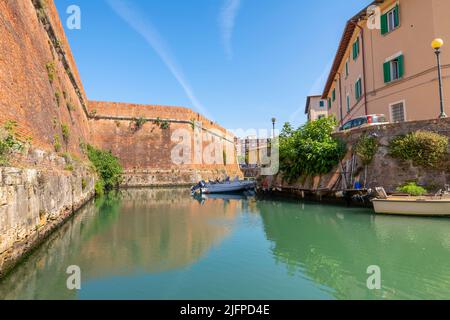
(225, 186)
(437, 205)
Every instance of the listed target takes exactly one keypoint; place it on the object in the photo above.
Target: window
(329, 103)
(356, 49)
(322, 103)
(347, 125)
(346, 69)
(333, 95)
(394, 69)
(358, 89)
(348, 103)
(398, 112)
(390, 20)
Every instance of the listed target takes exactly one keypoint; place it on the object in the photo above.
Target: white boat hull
(228, 187)
(412, 206)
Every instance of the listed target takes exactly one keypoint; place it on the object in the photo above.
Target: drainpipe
(355, 23)
(340, 99)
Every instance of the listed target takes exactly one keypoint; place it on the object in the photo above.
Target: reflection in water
(164, 244)
(130, 232)
(334, 249)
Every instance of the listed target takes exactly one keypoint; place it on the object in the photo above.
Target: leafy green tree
(310, 150)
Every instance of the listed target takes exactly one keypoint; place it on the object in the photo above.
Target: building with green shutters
(385, 64)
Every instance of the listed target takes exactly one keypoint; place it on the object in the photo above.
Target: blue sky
(239, 62)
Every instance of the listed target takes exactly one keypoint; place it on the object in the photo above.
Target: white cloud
(227, 21)
(144, 27)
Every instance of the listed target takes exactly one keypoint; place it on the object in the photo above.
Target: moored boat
(438, 205)
(226, 186)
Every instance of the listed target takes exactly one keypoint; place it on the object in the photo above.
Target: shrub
(56, 143)
(99, 188)
(310, 150)
(65, 133)
(9, 142)
(366, 148)
(69, 167)
(424, 148)
(412, 189)
(107, 166)
(139, 122)
(165, 125)
(157, 121)
(58, 98)
(51, 71)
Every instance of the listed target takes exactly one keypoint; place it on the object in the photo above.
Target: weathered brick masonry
(147, 153)
(27, 96)
(31, 38)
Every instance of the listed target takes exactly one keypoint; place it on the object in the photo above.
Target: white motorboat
(224, 187)
(438, 205)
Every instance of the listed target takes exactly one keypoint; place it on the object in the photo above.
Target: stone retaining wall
(384, 170)
(33, 202)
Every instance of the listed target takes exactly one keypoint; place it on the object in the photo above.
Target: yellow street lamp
(437, 44)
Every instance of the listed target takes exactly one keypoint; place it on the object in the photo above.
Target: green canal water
(163, 244)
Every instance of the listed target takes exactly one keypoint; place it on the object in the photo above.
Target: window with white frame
(394, 68)
(390, 20)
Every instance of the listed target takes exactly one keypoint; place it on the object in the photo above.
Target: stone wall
(33, 202)
(384, 170)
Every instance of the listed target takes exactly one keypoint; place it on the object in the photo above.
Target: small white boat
(224, 187)
(412, 206)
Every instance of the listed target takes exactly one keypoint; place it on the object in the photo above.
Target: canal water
(164, 244)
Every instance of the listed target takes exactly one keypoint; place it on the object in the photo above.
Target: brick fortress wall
(146, 152)
(30, 43)
(33, 41)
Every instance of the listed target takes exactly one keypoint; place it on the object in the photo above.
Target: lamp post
(437, 45)
(274, 120)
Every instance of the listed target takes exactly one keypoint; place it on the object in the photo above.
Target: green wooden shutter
(334, 94)
(401, 66)
(329, 103)
(384, 24)
(356, 49)
(387, 72)
(356, 91)
(397, 16)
